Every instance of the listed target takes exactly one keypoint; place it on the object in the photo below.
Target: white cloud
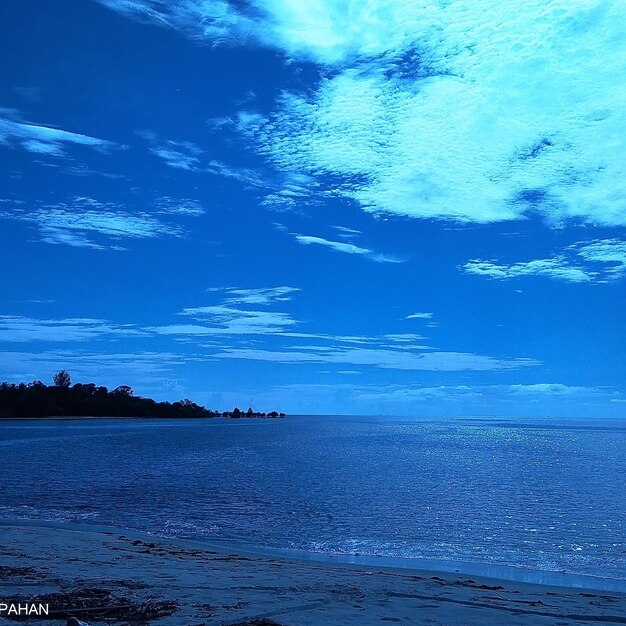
(471, 110)
(261, 295)
(75, 223)
(611, 251)
(279, 203)
(44, 139)
(557, 267)
(597, 261)
(380, 357)
(275, 332)
(183, 155)
(179, 155)
(347, 233)
(225, 320)
(179, 206)
(514, 393)
(108, 368)
(25, 329)
(348, 248)
(419, 316)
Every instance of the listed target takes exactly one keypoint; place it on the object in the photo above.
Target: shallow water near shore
(542, 495)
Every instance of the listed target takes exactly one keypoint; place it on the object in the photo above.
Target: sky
(335, 206)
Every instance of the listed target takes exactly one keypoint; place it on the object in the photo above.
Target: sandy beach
(187, 583)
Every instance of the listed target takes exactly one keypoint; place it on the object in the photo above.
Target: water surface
(541, 494)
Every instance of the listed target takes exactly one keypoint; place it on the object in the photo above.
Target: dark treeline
(62, 399)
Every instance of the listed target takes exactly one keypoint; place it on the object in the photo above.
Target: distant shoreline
(64, 399)
(135, 417)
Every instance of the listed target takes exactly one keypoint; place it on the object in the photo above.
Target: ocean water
(540, 494)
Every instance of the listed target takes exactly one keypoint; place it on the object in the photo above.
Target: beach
(199, 585)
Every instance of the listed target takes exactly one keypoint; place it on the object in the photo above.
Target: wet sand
(212, 586)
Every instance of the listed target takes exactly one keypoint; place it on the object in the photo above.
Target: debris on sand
(96, 604)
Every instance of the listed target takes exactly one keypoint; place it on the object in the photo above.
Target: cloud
(382, 358)
(494, 401)
(554, 389)
(612, 251)
(347, 233)
(279, 203)
(183, 155)
(25, 329)
(110, 368)
(263, 295)
(225, 320)
(348, 248)
(597, 261)
(45, 140)
(419, 316)
(179, 206)
(74, 224)
(403, 393)
(473, 111)
(275, 332)
(557, 267)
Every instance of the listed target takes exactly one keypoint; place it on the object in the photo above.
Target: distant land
(62, 399)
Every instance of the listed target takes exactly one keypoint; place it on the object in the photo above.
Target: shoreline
(233, 585)
(502, 573)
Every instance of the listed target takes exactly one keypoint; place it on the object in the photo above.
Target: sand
(217, 587)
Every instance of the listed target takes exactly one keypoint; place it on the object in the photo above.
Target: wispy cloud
(519, 401)
(598, 261)
(452, 393)
(150, 369)
(44, 140)
(558, 267)
(381, 358)
(179, 206)
(348, 248)
(183, 155)
(347, 233)
(278, 202)
(419, 316)
(260, 295)
(225, 320)
(608, 251)
(76, 223)
(26, 329)
(276, 332)
(471, 111)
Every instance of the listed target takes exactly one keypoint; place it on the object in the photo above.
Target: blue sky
(340, 206)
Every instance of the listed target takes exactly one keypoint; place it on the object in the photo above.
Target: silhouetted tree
(86, 399)
(62, 379)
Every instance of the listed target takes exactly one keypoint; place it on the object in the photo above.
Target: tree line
(62, 399)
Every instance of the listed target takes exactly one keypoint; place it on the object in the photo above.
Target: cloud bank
(470, 110)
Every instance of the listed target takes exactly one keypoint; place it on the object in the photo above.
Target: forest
(62, 399)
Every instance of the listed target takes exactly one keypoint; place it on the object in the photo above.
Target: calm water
(539, 494)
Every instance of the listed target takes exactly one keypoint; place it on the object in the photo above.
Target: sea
(526, 495)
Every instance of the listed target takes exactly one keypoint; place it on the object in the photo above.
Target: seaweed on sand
(94, 603)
